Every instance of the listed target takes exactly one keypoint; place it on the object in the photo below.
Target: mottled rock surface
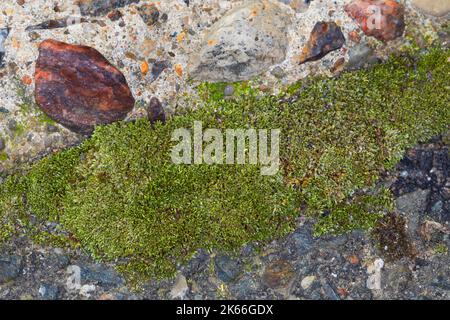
(3, 34)
(101, 7)
(325, 37)
(77, 87)
(382, 19)
(244, 43)
(438, 8)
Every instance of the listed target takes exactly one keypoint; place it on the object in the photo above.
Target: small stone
(101, 275)
(144, 67)
(437, 8)
(244, 43)
(278, 72)
(359, 56)
(338, 65)
(77, 87)
(297, 5)
(3, 35)
(382, 19)
(413, 206)
(48, 292)
(156, 111)
(354, 36)
(115, 15)
(307, 282)
(179, 69)
(149, 13)
(229, 91)
(227, 269)
(26, 80)
(2, 144)
(325, 37)
(353, 259)
(12, 125)
(10, 268)
(374, 270)
(157, 68)
(278, 274)
(87, 289)
(102, 7)
(180, 288)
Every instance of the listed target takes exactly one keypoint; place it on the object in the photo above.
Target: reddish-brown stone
(77, 87)
(325, 37)
(382, 19)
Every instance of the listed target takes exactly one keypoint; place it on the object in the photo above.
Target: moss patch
(120, 195)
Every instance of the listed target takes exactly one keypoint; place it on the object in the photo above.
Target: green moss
(3, 156)
(120, 195)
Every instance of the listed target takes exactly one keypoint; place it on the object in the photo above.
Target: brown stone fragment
(155, 111)
(77, 87)
(325, 37)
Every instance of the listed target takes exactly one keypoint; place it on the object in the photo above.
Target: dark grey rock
(301, 241)
(101, 275)
(2, 144)
(102, 7)
(413, 205)
(49, 292)
(278, 72)
(157, 68)
(3, 35)
(329, 292)
(227, 269)
(10, 268)
(359, 56)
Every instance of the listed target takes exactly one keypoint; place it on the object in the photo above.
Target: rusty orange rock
(77, 87)
(382, 19)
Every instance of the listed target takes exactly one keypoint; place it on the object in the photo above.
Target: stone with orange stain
(77, 87)
(354, 36)
(144, 67)
(382, 19)
(26, 79)
(325, 37)
(179, 69)
(181, 36)
(353, 259)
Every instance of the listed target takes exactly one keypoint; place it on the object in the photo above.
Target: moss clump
(391, 237)
(120, 195)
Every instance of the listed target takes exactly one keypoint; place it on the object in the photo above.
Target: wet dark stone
(101, 275)
(425, 160)
(301, 241)
(227, 269)
(197, 264)
(10, 268)
(49, 292)
(325, 37)
(77, 87)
